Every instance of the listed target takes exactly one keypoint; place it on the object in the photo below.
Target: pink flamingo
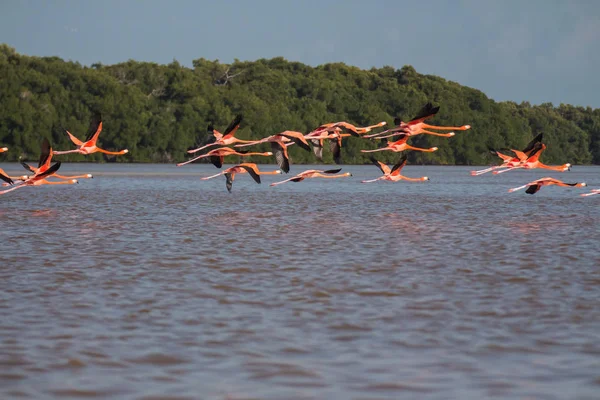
(532, 161)
(314, 173)
(417, 125)
(40, 179)
(89, 146)
(226, 138)
(44, 163)
(533, 187)
(400, 145)
(393, 174)
(509, 161)
(279, 143)
(250, 168)
(217, 156)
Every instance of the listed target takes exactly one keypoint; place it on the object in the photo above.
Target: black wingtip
(397, 121)
(332, 171)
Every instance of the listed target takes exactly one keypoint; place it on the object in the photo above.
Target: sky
(520, 50)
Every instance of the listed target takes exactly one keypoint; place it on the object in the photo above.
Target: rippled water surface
(147, 283)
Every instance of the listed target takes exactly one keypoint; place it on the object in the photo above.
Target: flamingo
(3, 149)
(217, 156)
(533, 187)
(44, 163)
(393, 174)
(509, 161)
(348, 127)
(226, 138)
(532, 161)
(417, 125)
(250, 168)
(89, 146)
(279, 143)
(591, 193)
(400, 145)
(314, 173)
(40, 179)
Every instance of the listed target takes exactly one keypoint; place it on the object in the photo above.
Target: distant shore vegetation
(159, 111)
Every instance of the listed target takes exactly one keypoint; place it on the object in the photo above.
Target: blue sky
(520, 50)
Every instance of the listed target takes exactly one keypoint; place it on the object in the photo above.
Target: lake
(146, 282)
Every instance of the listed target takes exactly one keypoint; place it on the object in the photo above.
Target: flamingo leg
(212, 176)
(192, 160)
(506, 170)
(201, 148)
(372, 180)
(66, 152)
(517, 188)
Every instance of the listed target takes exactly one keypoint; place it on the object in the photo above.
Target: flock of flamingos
(528, 158)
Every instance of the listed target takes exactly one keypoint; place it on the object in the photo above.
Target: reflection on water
(146, 282)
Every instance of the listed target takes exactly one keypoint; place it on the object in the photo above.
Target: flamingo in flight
(226, 138)
(89, 146)
(40, 179)
(533, 187)
(510, 161)
(217, 156)
(44, 163)
(347, 127)
(417, 125)
(393, 174)
(314, 173)
(532, 161)
(279, 144)
(3, 149)
(250, 168)
(400, 145)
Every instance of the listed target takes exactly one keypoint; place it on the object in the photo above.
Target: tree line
(159, 111)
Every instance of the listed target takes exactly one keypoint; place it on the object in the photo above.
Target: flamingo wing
(75, 141)
(335, 146)
(533, 189)
(398, 166)
(215, 133)
(317, 149)
(217, 161)
(280, 157)
(382, 167)
(48, 172)
(331, 171)
(251, 171)
(233, 127)
(520, 155)
(297, 179)
(45, 154)
(228, 181)
(5, 178)
(424, 113)
(95, 126)
(297, 138)
(28, 167)
(531, 145)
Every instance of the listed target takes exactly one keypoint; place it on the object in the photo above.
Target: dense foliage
(159, 111)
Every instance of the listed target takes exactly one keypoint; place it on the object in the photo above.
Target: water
(147, 283)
